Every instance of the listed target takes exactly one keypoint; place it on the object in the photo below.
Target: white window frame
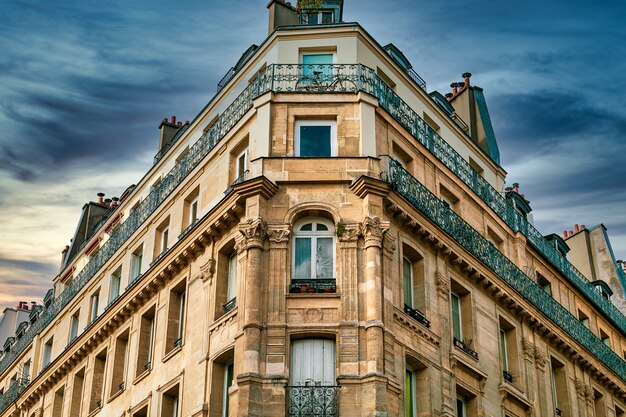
(333, 135)
(231, 279)
(165, 234)
(94, 305)
(193, 211)
(504, 350)
(181, 315)
(74, 325)
(238, 166)
(463, 403)
(314, 235)
(136, 259)
(115, 276)
(225, 404)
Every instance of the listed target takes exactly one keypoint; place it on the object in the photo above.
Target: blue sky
(84, 85)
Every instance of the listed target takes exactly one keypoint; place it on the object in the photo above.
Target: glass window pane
(327, 17)
(307, 227)
(315, 141)
(408, 393)
(324, 258)
(503, 353)
(318, 63)
(321, 227)
(231, 291)
(303, 259)
(456, 316)
(408, 283)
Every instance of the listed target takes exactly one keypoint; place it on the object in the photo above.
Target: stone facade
(219, 323)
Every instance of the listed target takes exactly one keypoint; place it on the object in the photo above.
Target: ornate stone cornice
(207, 271)
(373, 230)
(254, 232)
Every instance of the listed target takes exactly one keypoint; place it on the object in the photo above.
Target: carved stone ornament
(38, 412)
(540, 359)
(443, 284)
(528, 349)
(389, 243)
(373, 231)
(278, 234)
(349, 232)
(254, 232)
(589, 395)
(207, 271)
(580, 387)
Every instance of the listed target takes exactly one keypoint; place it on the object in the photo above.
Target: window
(170, 402)
(409, 394)
(559, 388)
(476, 167)
(461, 319)
(544, 284)
(448, 198)
(599, 403)
(466, 403)
(93, 306)
(135, 263)
(461, 407)
(407, 279)
(47, 353)
(74, 323)
(619, 412)
(176, 316)
(314, 255)
(605, 338)
(141, 412)
(413, 284)
(509, 352)
(57, 402)
(97, 381)
(315, 138)
(582, 317)
(242, 166)
(114, 285)
(119, 363)
(316, 17)
(231, 285)
(312, 362)
(161, 238)
(226, 283)
(77, 393)
(190, 209)
(320, 62)
(228, 382)
(146, 341)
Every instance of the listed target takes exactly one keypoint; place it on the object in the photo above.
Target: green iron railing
(11, 394)
(350, 78)
(446, 219)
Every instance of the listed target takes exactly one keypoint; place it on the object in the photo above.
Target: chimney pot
(466, 79)
(179, 124)
(107, 202)
(516, 187)
(448, 96)
(454, 89)
(173, 120)
(576, 228)
(570, 233)
(564, 234)
(582, 227)
(165, 120)
(186, 122)
(100, 197)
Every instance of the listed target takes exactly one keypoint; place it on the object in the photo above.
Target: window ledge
(223, 318)
(314, 295)
(169, 355)
(94, 411)
(141, 376)
(115, 395)
(515, 393)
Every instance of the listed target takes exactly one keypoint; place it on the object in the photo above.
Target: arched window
(314, 256)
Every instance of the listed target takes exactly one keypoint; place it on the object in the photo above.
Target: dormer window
(317, 17)
(603, 289)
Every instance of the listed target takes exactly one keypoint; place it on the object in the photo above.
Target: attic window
(317, 17)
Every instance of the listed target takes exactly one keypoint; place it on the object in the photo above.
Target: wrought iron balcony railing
(435, 210)
(11, 394)
(312, 401)
(465, 347)
(314, 285)
(229, 305)
(417, 315)
(508, 376)
(349, 78)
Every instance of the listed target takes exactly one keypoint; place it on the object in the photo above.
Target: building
(325, 238)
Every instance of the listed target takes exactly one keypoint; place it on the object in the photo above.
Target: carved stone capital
(389, 243)
(254, 232)
(589, 395)
(443, 284)
(278, 234)
(349, 232)
(373, 230)
(207, 271)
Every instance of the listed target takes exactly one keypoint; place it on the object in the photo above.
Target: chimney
(281, 14)
(516, 187)
(564, 234)
(115, 202)
(33, 304)
(100, 198)
(582, 227)
(168, 131)
(576, 228)
(107, 202)
(466, 79)
(449, 96)
(570, 234)
(454, 89)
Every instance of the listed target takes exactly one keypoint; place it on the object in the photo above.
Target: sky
(85, 84)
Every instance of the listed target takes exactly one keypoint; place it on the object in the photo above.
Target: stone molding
(207, 271)
(278, 233)
(373, 230)
(254, 232)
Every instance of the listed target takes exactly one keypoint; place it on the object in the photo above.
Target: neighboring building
(11, 319)
(325, 238)
(591, 253)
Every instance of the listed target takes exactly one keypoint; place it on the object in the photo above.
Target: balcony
(483, 250)
(465, 347)
(313, 286)
(11, 394)
(417, 315)
(312, 401)
(508, 376)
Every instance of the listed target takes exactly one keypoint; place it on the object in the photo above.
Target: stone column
(347, 284)
(375, 384)
(254, 232)
(443, 309)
